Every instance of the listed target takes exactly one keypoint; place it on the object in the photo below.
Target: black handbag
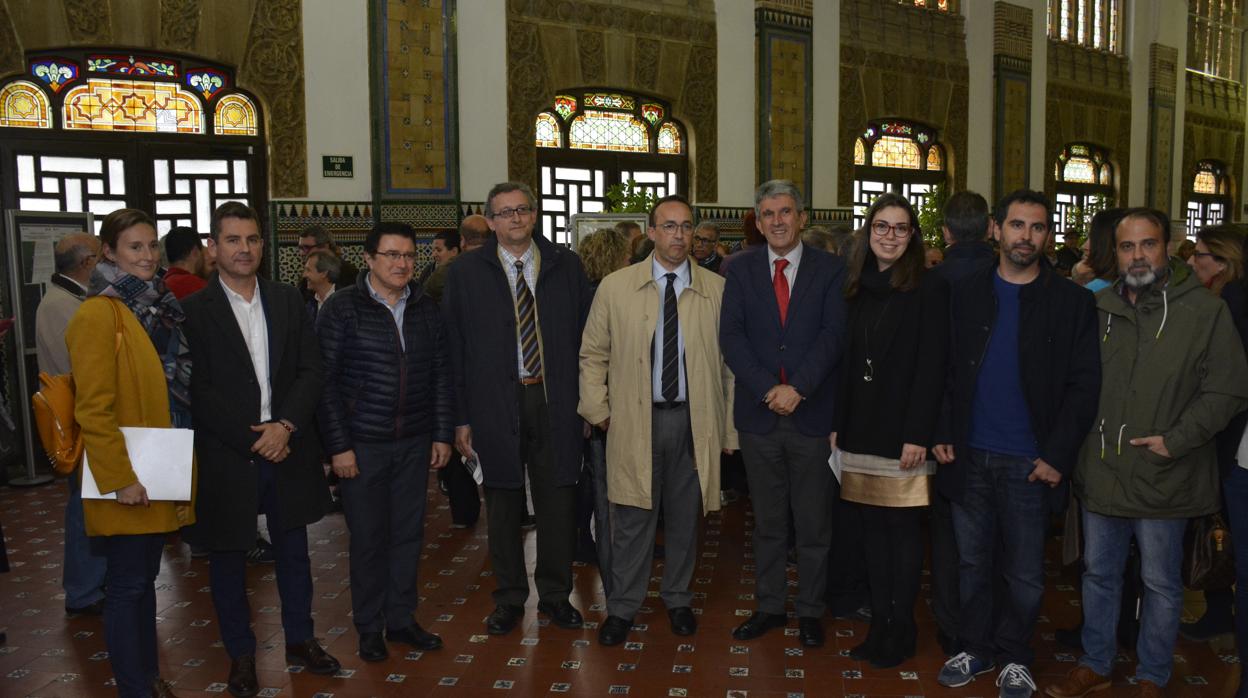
(1208, 562)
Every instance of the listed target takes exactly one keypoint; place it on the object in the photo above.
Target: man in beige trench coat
(652, 376)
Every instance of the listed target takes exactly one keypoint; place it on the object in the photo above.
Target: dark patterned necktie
(525, 311)
(671, 370)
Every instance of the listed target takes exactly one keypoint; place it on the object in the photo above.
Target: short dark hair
(504, 188)
(373, 240)
(231, 209)
(1151, 215)
(966, 217)
(670, 198)
(327, 263)
(180, 242)
(120, 221)
(450, 239)
(1024, 196)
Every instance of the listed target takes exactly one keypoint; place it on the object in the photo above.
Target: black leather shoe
(92, 609)
(810, 632)
(503, 619)
(312, 657)
(372, 647)
(415, 636)
(898, 646)
(758, 624)
(563, 613)
(683, 620)
(614, 630)
(243, 683)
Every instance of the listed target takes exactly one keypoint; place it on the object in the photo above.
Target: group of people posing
(861, 391)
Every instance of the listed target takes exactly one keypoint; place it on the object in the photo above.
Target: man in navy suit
(782, 331)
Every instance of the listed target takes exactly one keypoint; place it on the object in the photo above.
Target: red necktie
(781, 284)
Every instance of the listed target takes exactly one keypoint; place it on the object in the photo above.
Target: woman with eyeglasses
(1218, 262)
(893, 382)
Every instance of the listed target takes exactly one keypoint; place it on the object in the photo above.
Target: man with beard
(1173, 376)
(1023, 388)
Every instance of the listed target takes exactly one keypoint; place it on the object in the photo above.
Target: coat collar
(641, 275)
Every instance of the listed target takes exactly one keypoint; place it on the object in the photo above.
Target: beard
(1023, 255)
(1142, 277)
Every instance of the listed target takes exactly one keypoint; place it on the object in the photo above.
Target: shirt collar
(794, 256)
(660, 272)
(510, 259)
(368, 283)
(238, 297)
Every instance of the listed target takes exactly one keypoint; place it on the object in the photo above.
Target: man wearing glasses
(514, 311)
(316, 238)
(705, 240)
(666, 425)
(385, 418)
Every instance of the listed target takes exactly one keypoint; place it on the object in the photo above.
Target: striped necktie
(526, 312)
(671, 330)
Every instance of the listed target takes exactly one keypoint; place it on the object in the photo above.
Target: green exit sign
(337, 166)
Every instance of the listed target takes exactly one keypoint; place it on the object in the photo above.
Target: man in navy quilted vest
(386, 419)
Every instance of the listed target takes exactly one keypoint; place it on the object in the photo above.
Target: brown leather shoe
(1078, 683)
(1148, 689)
(162, 689)
(243, 682)
(310, 656)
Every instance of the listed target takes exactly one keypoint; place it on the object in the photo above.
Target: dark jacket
(480, 315)
(1058, 358)
(377, 389)
(808, 346)
(346, 279)
(906, 336)
(1236, 296)
(1172, 365)
(225, 403)
(712, 263)
(963, 259)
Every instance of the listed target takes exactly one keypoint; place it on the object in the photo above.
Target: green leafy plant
(931, 216)
(1079, 218)
(627, 197)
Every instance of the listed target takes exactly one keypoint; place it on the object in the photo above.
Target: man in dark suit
(254, 393)
(514, 312)
(782, 333)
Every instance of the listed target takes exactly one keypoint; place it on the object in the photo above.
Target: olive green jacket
(1171, 365)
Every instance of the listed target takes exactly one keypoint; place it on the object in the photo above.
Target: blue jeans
(130, 610)
(1106, 541)
(84, 571)
(1000, 527)
(1235, 495)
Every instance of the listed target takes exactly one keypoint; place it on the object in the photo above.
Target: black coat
(963, 259)
(1236, 297)
(908, 345)
(225, 403)
(375, 388)
(1060, 362)
(480, 316)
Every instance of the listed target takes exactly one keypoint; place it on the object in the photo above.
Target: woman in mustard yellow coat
(139, 379)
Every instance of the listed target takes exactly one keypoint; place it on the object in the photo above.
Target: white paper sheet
(834, 462)
(474, 467)
(160, 457)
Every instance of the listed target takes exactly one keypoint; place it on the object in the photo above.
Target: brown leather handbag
(53, 406)
(1208, 562)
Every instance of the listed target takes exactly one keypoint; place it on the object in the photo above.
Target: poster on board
(30, 239)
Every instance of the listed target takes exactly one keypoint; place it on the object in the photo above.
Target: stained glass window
(1079, 169)
(128, 105)
(610, 100)
(1205, 183)
(669, 139)
(891, 151)
(565, 106)
(55, 72)
(860, 153)
(934, 159)
(23, 105)
(652, 113)
(941, 5)
(1090, 23)
(604, 130)
(548, 135)
(235, 116)
(1214, 37)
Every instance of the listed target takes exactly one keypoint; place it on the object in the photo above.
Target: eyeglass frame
(509, 213)
(885, 230)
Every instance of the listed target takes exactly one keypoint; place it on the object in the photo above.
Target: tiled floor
(50, 655)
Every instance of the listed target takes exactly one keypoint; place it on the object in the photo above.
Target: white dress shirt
(680, 283)
(508, 261)
(790, 272)
(251, 322)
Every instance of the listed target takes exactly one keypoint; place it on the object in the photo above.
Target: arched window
(1085, 185)
(1208, 196)
(171, 135)
(1093, 24)
(1214, 36)
(898, 156)
(939, 5)
(592, 139)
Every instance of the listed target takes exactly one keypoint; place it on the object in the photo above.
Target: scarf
(161, 316)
